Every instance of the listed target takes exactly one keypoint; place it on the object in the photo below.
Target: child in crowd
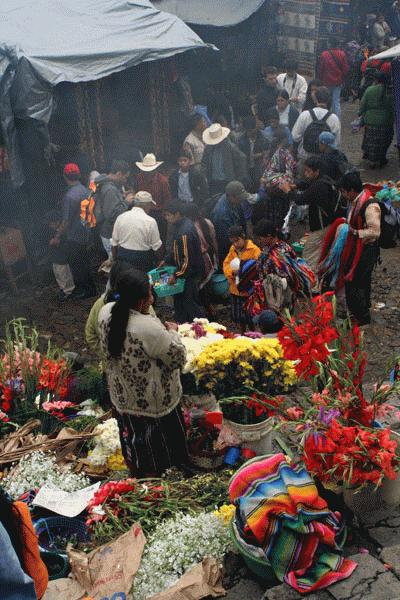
(59, 258)
(241, 250)
(268, 323)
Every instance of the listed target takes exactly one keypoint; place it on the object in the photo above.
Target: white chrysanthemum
(107, 442)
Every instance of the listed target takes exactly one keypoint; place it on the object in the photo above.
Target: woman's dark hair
(249, 123)
(130, 287)
(118, 267)
(236, 231)
(264, 228)
(315, 164)
(283, 94)
(195, 120)
(119, 166)
(351, 182)
(382, 79)
(192, 212)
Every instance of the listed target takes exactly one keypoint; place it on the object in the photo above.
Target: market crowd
(239, 183)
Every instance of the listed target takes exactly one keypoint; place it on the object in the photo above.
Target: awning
(45, 42)
(217, 13)
(393, 52)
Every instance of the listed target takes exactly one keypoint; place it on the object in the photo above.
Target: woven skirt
(376, 142)
(152, 445)
(238, 313)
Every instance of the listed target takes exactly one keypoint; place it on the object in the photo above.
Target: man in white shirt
(322, 96)
(294, 84)
(135, 237)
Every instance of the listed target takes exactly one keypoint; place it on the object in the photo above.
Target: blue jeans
(335, 92)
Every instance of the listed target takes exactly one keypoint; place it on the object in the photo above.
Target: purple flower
(326, 416)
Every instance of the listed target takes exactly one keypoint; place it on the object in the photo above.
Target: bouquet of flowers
(29, 378)
(230, 366)
(106, 453)
(336, 424)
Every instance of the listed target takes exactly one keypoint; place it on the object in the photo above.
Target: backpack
(389, 223)
(88, 218)
(313, 131)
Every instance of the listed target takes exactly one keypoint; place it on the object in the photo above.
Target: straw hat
(149, 163)
(215, 134)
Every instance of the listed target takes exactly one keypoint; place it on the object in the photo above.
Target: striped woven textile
(280, 511)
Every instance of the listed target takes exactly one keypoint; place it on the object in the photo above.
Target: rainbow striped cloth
(280, 512)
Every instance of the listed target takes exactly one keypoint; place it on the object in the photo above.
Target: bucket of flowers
(336, 425)
(240, 371)
(32, 383)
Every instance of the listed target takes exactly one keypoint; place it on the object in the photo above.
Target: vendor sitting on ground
(143, 360)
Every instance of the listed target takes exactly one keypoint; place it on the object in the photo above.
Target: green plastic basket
(259, 567)
(164, 289)
(298, 248)
(220, 284)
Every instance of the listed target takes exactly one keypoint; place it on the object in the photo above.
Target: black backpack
(313, 131)
(389, 223)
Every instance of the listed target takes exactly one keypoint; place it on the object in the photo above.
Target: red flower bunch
(54, 377)
(109, 493)
(7, 395)
(264, 406)
(306, 338)
(355, 455)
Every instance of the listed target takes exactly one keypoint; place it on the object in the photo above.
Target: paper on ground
(67, 504)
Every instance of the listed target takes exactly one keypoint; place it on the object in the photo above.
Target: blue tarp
(45, 42)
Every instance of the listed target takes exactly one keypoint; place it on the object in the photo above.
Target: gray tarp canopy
(218, 13)
(45, 42)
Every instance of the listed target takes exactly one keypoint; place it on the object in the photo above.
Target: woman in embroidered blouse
(143, 364)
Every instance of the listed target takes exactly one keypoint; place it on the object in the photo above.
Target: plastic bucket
(257, 437)
(220, 284)
(259, 566)
(298, 248)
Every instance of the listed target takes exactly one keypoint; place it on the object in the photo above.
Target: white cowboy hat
(149, 163)
(215, 134)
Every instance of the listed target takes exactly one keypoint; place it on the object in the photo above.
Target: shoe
(82, 295)
(63, 297)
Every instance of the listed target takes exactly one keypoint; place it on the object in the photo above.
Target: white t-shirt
(284, 116)
(296, 88)
(135, 230)
(304, 121)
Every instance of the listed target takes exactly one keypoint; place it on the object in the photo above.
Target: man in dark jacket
(321, 196)
(188, 183)
(266, 97)
(75, 234)
(222, 160)
(186, 256)
(254, 145)
(227, 213)
(111, 200)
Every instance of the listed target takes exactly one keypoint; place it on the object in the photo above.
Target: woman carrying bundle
(376, 110)
(143, 360)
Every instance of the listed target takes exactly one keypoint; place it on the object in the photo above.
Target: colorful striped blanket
(280, 511)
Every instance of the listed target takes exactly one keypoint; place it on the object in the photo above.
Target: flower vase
(257, 436)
